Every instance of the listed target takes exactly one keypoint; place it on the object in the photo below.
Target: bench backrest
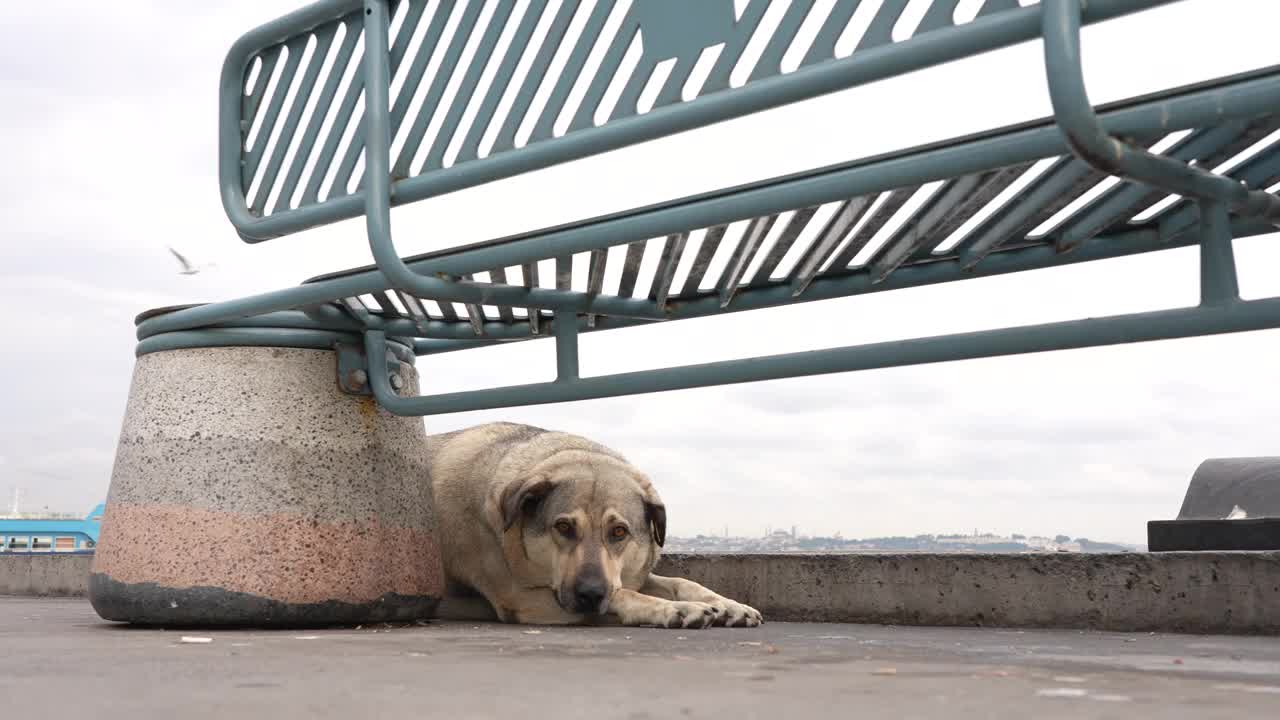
(486, 89)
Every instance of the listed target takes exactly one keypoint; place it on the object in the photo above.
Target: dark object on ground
(1231, 504)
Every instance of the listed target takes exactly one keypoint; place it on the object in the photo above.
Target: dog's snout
(590, 595)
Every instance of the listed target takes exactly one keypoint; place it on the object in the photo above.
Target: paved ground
(57, 658)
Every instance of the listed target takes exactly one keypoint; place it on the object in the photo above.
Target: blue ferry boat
(54, 535)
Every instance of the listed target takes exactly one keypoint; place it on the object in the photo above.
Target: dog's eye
(618, 533)
(564, 527)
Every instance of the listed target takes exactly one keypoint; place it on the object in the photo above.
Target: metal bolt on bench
(284, 170)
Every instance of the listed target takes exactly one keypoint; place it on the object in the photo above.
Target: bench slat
(604, 74)
(887, 209)
(752, 238)
(698, 274)
(928, 225)
(795, 225)
(418, 67)
(252, 101)
(530, 271)
(498, 88)
(323, 102)
(832, 234)
(352, 156)
(341, 118)
(631, 268)
(824, 43)
(483, 53)
(403, 166)
(324, 39)
(770, 61)
(595, 277)
(672, 253)
(293, 56)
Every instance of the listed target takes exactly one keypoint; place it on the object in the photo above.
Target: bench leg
(248, 490)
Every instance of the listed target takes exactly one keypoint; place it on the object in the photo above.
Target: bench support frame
(1220, 311)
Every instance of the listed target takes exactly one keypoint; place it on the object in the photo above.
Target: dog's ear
(656, 514)
(522, 496)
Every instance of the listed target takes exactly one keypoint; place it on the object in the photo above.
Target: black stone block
(1251, 534)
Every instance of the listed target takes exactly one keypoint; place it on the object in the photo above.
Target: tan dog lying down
(551, 528)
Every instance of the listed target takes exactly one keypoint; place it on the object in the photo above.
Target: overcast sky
(110, 155)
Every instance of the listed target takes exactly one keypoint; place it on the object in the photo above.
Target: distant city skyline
(791, 541)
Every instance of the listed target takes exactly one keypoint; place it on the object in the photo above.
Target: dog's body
(552, 528)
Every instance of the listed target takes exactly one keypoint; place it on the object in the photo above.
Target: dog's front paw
(668, 614)
(680, 614)
(735, 614)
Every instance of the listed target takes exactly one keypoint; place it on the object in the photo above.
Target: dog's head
(590, 523)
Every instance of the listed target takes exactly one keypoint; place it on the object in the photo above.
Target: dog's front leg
(533, 606)
(730, 613)
(633, 608)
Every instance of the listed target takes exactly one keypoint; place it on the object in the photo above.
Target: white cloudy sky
(110, 140)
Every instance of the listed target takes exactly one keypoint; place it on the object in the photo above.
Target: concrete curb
(1229, 592)
(1195, 592)
(44, 574)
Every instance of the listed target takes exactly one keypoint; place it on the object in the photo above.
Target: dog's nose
(589, 596)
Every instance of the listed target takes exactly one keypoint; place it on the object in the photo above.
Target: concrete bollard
(249, 490)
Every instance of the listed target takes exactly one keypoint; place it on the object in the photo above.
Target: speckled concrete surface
(265, 430)
(59, 660)
(282, 556)
(246, 470)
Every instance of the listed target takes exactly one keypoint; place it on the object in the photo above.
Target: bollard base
(248, 490)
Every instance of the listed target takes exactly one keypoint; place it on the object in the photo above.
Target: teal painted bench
(308, 127)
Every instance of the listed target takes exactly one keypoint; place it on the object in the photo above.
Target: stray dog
(552, 529)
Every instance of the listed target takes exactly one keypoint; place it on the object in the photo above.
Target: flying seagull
(187, 267)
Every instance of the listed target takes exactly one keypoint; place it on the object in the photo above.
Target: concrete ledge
(1206, 592)
(1197, 592)
(44, 574)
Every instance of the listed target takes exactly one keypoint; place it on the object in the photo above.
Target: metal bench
(308, 126)
(478, 139)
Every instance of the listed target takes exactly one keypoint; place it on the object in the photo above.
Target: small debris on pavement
(532, 632)
(306, 637)
(885, 671)
(772, 650)
(1069, 679)
(1062, 692)
(1177, 661)
(751, 644)
(1242, 687)
(193, 640)
(1111, 698)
